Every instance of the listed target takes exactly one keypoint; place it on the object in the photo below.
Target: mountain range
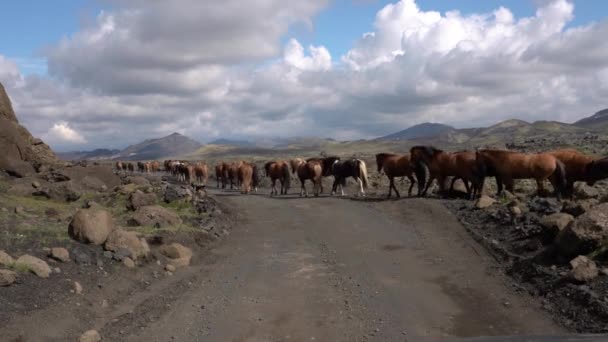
(504, 132)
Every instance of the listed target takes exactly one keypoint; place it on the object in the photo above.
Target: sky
(108, 73)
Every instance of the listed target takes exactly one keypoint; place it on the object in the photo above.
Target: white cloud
(319, 58)
(217, 69)
(62, 133)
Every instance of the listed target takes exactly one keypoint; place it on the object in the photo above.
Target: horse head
(596, 171)
(327, 164)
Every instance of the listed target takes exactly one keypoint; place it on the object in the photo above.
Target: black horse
(342, 169)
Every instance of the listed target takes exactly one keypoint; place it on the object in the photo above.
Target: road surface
(328, 269)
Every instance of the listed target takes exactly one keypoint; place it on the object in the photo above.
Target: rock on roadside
(584, 234)
(91, 226)
(7, 277)
(5, 259)
(178, 254)
(484, 202)
(555, 223)
(128, 240)
(60, 254)
(37, 266)
(584, 269)
(155, 216)
(90, 336)
(139, 199)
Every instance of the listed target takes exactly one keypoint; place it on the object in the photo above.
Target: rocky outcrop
(22, 154)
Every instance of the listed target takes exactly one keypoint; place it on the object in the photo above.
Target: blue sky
(197, 67)
(35, 24)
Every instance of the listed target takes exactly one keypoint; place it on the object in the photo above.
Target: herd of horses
(422, 165)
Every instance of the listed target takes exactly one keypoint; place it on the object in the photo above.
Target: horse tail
(560, 176)
(363, 172)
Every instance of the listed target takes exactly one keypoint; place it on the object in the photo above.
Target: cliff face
(21, 153)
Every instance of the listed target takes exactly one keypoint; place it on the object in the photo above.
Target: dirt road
(312, 269)
(335, 270)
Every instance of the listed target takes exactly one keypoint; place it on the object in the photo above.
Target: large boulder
(577, 208)
(137, 180)
(120, 239)
(178, 254)
(555, 223)
(139, 199)
(174, 193)
(584, 234)
(583, 191)
(7, 277)
(22, 154)
(543, 205)
(37, 266)
(62, 191)
(91, 226)
(155, 216)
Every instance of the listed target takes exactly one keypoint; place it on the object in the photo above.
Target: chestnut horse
(507, 166)
(278, 170)
(221, 174)
(578, 167)
(312, 170)
(201, 172)
(248, 177)
(442, 165)
(233, 174)
(395, 165)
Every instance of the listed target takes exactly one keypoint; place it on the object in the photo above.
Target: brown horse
(221, 174)
(312, 170)
(295, 163)
(442, 165)
(131, 167)
(578, 167)
(507, 166)
(201, 172)
(248, 177)
(597, 170)
(120, 166)
(233, 174)
(395, 165)
(278, 170)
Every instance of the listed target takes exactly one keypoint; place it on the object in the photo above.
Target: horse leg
(451, 190)
(390, 186)
(360, 181)
(467, 187)
(334, 186)
(395, 188)
(428, 185)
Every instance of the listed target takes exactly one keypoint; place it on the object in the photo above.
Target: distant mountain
(597, 120)
(424, 130)
(230, 142)
(98, 154)
(171, 145)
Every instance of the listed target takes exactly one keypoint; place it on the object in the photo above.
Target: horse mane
(427, 150)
